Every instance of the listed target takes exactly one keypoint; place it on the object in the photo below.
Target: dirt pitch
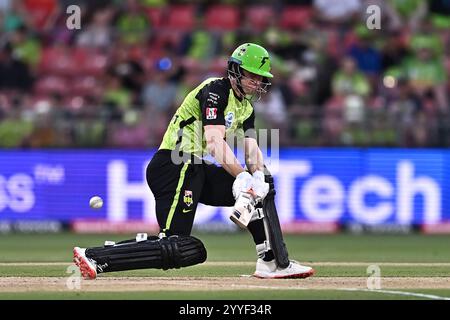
(123, 284)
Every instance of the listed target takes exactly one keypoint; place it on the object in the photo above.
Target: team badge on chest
(188, 197)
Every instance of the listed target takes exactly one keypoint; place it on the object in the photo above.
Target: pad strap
(262, 248)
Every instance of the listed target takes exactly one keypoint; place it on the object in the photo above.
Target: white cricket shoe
(88, 267)
(269, 270)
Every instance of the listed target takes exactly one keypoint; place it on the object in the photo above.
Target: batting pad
(165, 253)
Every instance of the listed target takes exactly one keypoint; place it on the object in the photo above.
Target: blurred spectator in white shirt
(337, 11)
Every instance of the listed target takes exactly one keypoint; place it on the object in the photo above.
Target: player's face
(251, 82)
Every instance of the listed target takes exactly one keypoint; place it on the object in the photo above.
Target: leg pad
(165, 253)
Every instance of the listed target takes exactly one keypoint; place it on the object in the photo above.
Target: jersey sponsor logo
(213, 98)
(211, 113)
(229, 120)
(188, 198)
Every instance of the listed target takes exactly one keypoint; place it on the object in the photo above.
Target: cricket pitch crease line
(403, 293)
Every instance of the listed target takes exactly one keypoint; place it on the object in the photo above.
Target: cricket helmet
(252, 58)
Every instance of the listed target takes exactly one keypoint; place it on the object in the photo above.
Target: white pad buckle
(141, 237)
(258, 213)
(262, 248)
(161, 235)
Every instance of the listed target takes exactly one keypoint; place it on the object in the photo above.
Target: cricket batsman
(180, 178)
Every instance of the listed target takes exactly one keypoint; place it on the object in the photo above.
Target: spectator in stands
(130, 71)
(350, 90)
(337, 12)
(89, 129)
(159, 93)
(393, 51)
(402, 106)
(44, 132)
(426, 72)
(116, 97)
(199, 44)
(98, 33)
(397, 15)
(13, 15)
(367, 57)
(440, 14)
(319, 105)
(26, 48)
(153, 3)
(63, 119)
(14, 74)
(132, 24)
(16, 128)
(271, 109)
(187, 82)
(43, 13)
(410, 13)
(349, 80)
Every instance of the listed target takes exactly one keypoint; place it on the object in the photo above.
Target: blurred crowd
(343, 77)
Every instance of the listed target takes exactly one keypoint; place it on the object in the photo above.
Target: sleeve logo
(229, 120)
(211, 113)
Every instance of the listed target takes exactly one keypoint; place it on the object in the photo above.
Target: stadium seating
(77, 73)
(51, 84)
(156, 17)
(218, 65)
(90, 62)
(295, 17)
(222, 18)
(181, 17)
(58, 60)
(259, 16)
(85, 86)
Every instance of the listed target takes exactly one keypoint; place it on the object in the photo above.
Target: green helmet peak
(253, 58)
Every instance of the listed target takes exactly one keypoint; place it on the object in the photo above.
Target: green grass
(16, 248)
(239, 247)
(229, 271)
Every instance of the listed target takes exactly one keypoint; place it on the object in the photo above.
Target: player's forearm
(255, 161)
(253, 156)
(225, 157)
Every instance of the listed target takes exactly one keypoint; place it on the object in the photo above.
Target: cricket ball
(96, 202)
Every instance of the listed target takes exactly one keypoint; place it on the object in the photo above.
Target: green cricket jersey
(212, 103)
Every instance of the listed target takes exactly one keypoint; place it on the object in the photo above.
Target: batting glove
(259, 186)
(243, 183)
